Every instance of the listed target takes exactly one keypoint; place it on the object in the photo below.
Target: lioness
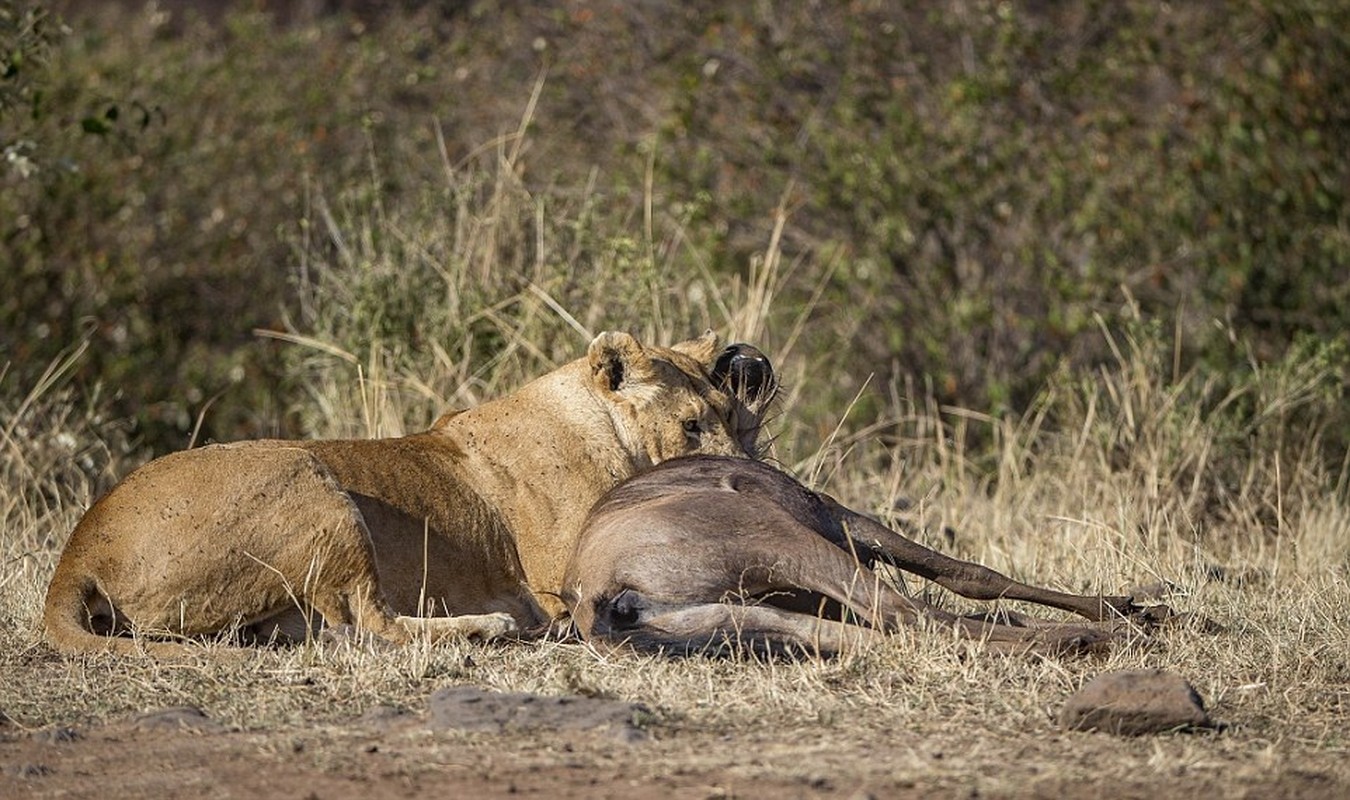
(474, 517)
(709, 553)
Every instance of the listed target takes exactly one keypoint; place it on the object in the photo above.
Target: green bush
(966, 190)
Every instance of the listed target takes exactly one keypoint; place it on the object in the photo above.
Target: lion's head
(692, 397)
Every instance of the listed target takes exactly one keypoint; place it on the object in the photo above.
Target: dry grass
(1133, 474)
(1277, 674)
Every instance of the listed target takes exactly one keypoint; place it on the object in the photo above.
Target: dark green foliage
(987, 177)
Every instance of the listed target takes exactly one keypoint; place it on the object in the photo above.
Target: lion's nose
(744, 370)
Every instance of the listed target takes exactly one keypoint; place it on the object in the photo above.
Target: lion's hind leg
(323, 559)
(332, 569)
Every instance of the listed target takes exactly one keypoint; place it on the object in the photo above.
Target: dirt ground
(472, 743)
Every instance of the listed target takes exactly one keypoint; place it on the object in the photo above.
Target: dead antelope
(707, 552)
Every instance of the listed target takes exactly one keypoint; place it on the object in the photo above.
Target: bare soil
(471, 743)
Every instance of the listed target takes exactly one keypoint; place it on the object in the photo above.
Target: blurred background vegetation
(952, 201)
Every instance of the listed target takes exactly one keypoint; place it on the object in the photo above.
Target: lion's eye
(691, 426)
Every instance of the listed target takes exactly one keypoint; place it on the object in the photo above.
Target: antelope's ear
(746, 372)
(703, 349)
(618, 360)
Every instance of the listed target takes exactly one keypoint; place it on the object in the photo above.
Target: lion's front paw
(476, 626)
(491, 626)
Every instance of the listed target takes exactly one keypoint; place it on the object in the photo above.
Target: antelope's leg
(815, 565)
(974, 580)
(708, 627)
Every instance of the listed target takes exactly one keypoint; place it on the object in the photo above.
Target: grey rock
(177, 718)
(1135, 703)
(467, 708)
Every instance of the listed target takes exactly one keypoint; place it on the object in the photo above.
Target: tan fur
(475, 517)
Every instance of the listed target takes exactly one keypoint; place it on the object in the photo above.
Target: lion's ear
(617, 359)
(703, 349)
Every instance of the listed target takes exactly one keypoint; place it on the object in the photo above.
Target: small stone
(62, 735)
(468, 708)
(1135, 703)
(177, 718)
